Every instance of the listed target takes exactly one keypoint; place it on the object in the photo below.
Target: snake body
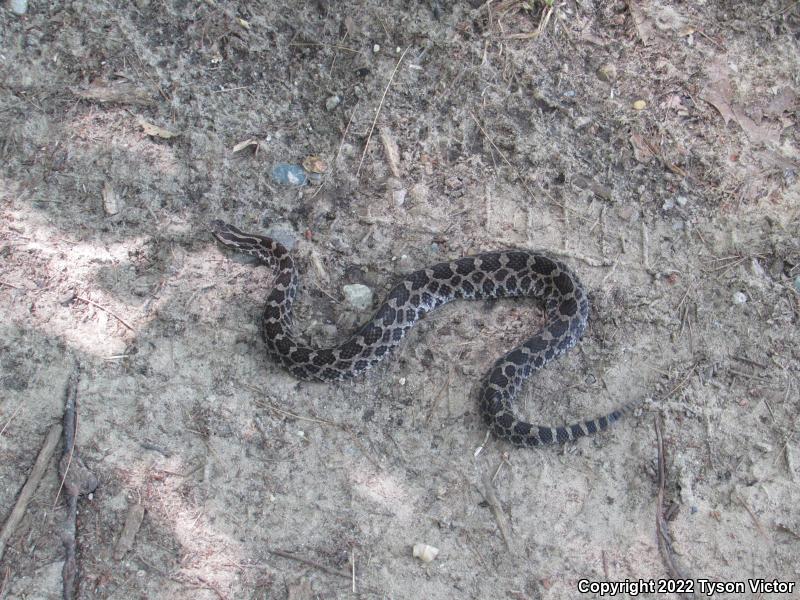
(509, 273)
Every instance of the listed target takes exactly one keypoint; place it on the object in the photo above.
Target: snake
(490, 275)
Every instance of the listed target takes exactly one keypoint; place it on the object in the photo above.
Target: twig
(378, 112)
(353, 567)
(5, 581)
(105, 310)
(339, 426)
(662, 530)
(645, 247)
(336, 46)
(344, 137)
(444, 387)
(310, 563)
(70, 428)
(497, 510)
(70, 568)
(11, 418)
(592, 262)
(42, 460)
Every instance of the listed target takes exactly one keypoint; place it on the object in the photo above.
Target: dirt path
(653, 145)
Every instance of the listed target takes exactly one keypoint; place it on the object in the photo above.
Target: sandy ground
(652, 145)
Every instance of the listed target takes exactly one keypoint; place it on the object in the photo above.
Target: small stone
(358, 296)
(112, 203)
(376, 48)
(314, 164)
(453, 183)
(287, 174)
(66, 298)
(607, 72)
(18, 7)
(669, 204)
(639, 105)
(424, 552)
(283, 233)
(332, 102)
(739, 298)
(399, 197)
(681, 200)
(582, 122)
(402, 381)
(797, 283)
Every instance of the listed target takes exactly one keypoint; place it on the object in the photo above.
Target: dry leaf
(784, 101)
(242, 145)
(644, 27)
(766, 132)
(155, 130)
(642, 150)
(718, 95)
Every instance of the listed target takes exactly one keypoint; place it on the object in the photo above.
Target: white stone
(358, 296)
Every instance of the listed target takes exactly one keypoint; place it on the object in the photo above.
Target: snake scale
(508, 273)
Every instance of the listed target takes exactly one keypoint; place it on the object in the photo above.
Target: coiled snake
(490, 275)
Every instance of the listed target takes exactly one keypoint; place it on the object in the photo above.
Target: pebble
(283, 233)
(66, 298)
(797, 283)
(639, 105)
(376, 48)
(582, 122)
(739, 298)
(424, 552)
(112, 203)
(399, 197)
(681, 200)
(358, 296)
(18, 7)
(668, 204)
(286, 174)
(332, 102)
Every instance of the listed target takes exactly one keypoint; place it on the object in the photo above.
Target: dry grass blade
(662, 529)
(378, 112)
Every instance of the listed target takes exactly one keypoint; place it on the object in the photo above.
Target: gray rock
(332, 102)
(358, 296)
(283, 233)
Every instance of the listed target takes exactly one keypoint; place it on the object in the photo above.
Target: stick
(377, 112)
(310, 563)
(662, 530)
(70, 568)
(42, 460)
(105, 310)
(497, 511)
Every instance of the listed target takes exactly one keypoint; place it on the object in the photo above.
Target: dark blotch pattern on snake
(491, 275)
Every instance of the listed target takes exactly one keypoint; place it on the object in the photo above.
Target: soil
(652, 145)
